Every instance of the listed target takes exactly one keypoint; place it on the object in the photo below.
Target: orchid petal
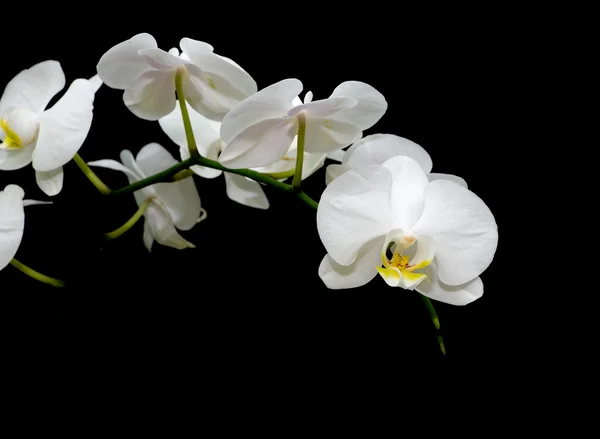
(151, 95)
(357, 274)
(206, 131)
(261, 144)
(464, 229)
(161, 60)
(408, 187)
(353, 210)
(324, 135)
(122, 64)
(12, 223)
(13, 159)
(271, 102)
(33, 88)
(459, 295)
(115, 166)
(370, 108)
(456, 179)
(50, 182)
(162, 228)
(245, 191)
(64, 127)
(324, 107)
(377, 148)
(334, 171)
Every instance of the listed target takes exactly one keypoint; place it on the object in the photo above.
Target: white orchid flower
(260, 130)
(208, 141)
(48, 138)
(436, 237)
(173, 205)
(212, 84)
(377, 148)
(12, 221)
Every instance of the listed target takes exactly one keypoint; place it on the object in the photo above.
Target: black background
(251, 286)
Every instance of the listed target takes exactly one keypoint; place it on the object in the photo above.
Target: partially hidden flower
(208, 141)
(12, 221)
(212, 84)
(378, 148)
(436, 237)
(48, 138)
(260, 130)
(173, 205)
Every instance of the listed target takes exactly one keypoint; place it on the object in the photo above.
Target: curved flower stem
(168, 174)
(36, 275)
(182, 175)
(104, 189)
(279, 175)
(189, 133)
(435, 320)
(130, 223)
(297, 182)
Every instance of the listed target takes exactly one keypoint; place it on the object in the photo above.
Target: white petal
(371, 104)
(377, 148)
(245, 191)
(308, 97)
(152, 95)
(311, 164)
(337, 155)
(408, 188)
(180, 198)
(122, 64)
(261, 144)
(64, 127)
(50, 182)
(95, 82)
(162, 228)
(194, 48)
(115, 166)
(211, 153)
(357, 274)
(456, 179)
(206, 131)
(353, 210)
(12, 159)
(334, 171)
(33, 88)
(464, 229)
(12, 222)
(214, 64)
(147, 237)
(324, 107)
(462, 294)
(161, 60)
(209, 93)
(324, 135)
(271, 102)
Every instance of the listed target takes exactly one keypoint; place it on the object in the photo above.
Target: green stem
(297, 182)
(436, 322)
(36, 275)
(280, 175)
(104, 189)
(182, 175)
(189, 133)
(168, 174)
(130, 223)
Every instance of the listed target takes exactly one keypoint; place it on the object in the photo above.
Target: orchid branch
(189, 133)
(37, 275)
(130, 223)
(91, 175)
(297, 182)
(435, 320)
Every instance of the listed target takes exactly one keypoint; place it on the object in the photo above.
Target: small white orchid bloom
(173, 205)
(208, 141)
(377, 148)
(212, 84)
(48, 138)
(261, 129)
(12, 221)
(436, 237)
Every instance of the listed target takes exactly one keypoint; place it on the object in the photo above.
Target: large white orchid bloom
(377, 148)
(173, 205)
(48, 138)
(260, 130)
(212, 84)
(436, 237)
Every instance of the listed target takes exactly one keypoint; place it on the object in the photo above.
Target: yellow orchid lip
(398, 271)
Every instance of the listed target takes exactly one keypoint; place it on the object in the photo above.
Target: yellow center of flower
(12, 139)
(399, 261)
